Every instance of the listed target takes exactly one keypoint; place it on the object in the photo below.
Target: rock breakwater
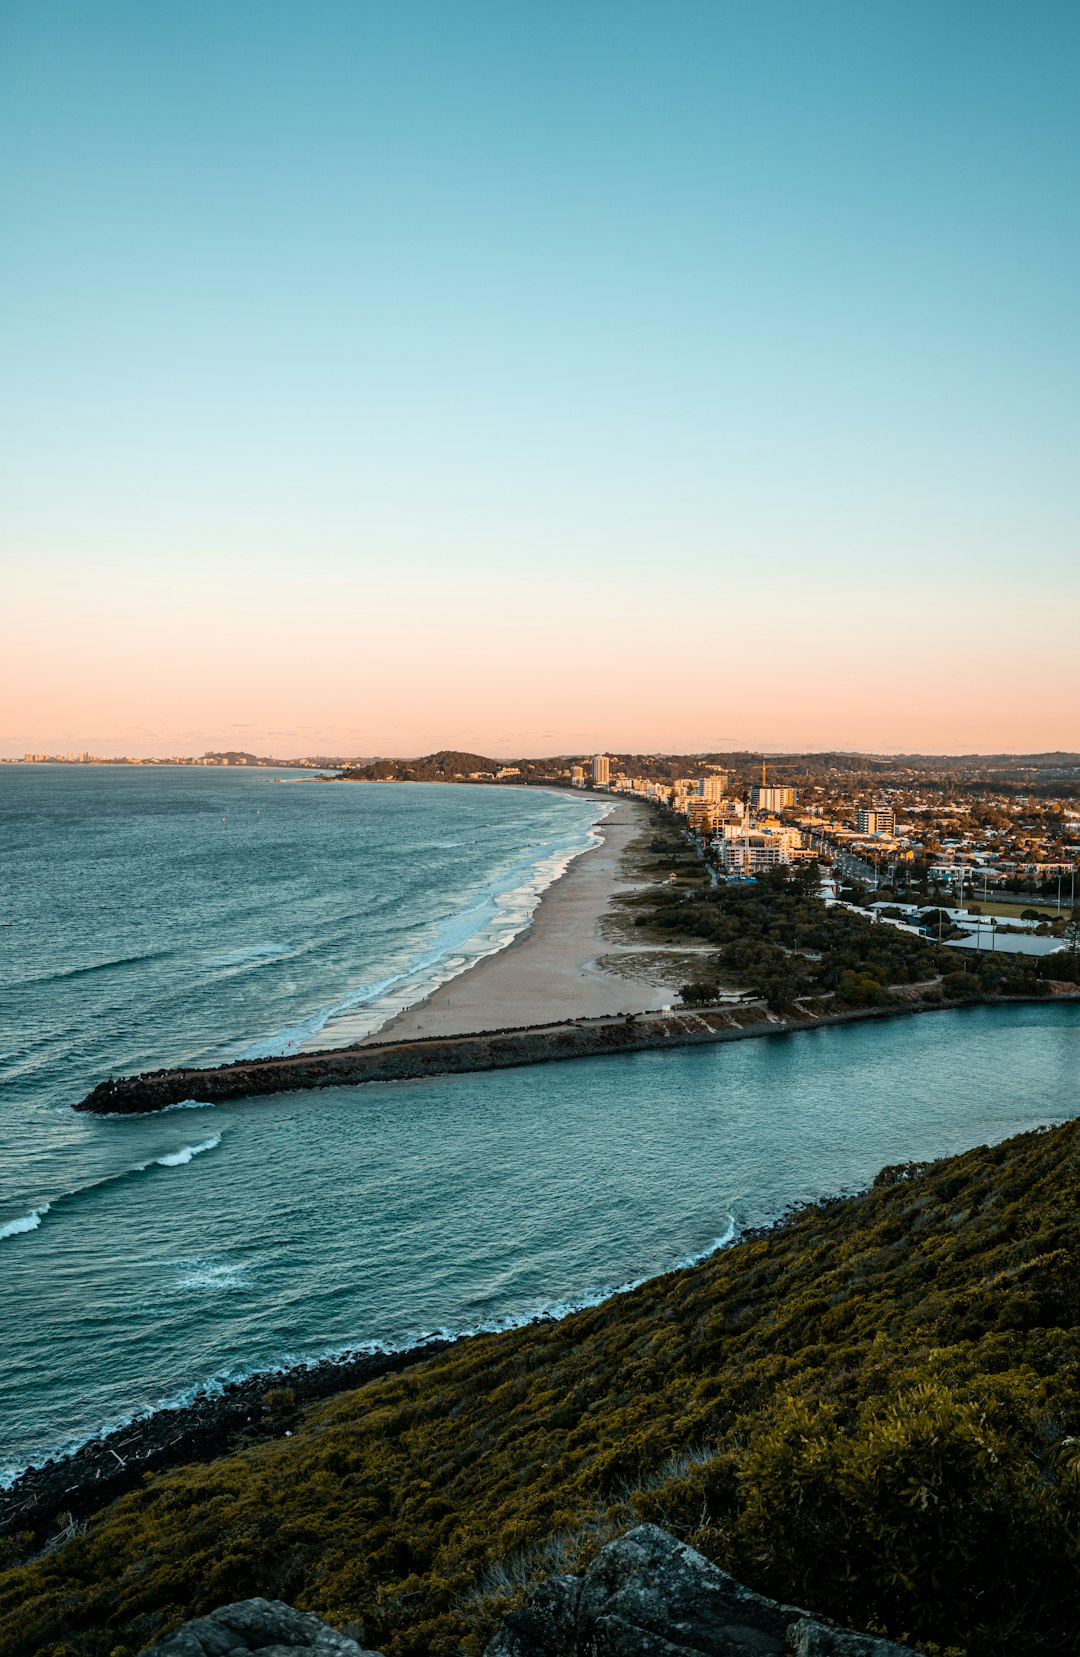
(449, 1055)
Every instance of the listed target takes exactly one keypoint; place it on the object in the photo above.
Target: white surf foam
(172, 1159)
(177, 1159)
(714, 1247)
(494, 917)
(25, 1222)
(216, 1276)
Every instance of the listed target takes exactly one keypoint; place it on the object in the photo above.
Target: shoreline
(551, 965)
(50, 1500)
(53, 1498)
(73, 1484)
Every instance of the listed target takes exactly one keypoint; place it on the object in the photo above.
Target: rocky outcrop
(646, 1595)
(265, 1625)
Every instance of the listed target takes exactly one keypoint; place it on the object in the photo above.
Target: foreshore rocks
(266, 1625)
(647, 1595)
(644, 1595)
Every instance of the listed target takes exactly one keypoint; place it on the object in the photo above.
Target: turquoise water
(210, 1242)
(154, 917)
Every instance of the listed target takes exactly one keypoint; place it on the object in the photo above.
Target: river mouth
(258, 1234)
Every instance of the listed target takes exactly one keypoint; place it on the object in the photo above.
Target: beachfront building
(601, 770)
(577, 776)
(751, 854)
(712, 788)
(704, 816)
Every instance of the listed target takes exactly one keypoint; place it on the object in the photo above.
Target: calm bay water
(141, 1257)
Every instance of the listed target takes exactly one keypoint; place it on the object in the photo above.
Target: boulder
(647, 1595)
(268, 1626)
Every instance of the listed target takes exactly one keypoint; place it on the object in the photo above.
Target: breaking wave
(499, 912)
(172, 1159)
(177, 1159)
(25, 1222)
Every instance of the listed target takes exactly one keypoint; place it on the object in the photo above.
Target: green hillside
(872, 1410)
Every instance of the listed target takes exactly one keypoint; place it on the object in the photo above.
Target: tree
(1072, 933)
(699, 994)
(807, 878)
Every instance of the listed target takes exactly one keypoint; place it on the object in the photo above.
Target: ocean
(154, 916)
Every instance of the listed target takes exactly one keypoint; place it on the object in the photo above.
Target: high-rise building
(704, 815)
(712, 788)
(601, 770)
(877, 819)
(770, 798)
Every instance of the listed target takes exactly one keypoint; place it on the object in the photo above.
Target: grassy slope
(869, 1410)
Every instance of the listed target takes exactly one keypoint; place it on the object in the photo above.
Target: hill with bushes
(871, 1409)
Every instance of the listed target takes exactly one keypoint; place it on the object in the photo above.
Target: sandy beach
(551, 970)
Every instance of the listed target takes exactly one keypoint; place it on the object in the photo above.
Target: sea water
(154, 917)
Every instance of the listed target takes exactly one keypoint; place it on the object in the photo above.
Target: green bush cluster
(872, 1409)
(781, 939)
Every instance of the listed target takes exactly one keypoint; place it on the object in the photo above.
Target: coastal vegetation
(777, 937)
(871, 1409)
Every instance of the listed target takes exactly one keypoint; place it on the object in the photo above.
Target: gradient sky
(535, 377)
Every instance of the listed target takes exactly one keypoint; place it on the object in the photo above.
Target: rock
(646, 1595)
(265, 1625)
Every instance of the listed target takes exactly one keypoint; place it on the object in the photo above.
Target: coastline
(225, 1415)
(50, 1501)
(549, 972)
(71, 1485)
(558, 932)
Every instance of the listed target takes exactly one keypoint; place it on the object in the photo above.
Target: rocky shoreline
(49, 1502)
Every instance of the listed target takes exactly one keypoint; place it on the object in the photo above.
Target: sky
(533, 378)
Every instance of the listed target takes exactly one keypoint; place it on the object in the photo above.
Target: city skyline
(383, 381)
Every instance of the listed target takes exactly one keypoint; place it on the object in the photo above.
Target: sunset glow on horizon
(386, 379)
